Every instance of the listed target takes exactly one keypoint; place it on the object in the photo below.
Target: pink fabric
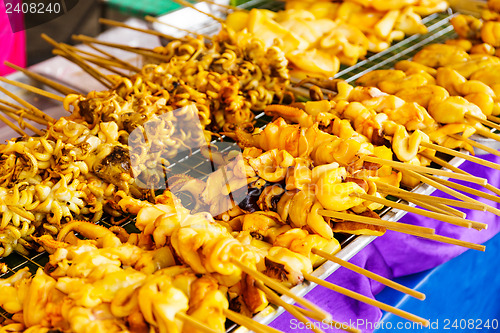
(12, 45)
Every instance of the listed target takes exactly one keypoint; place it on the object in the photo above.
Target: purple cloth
(396, 254)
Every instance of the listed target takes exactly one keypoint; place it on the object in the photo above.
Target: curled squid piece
(374, 78)
(441, 136)
(273, 165)
(279, 135)
(490, 33)
(409, 114)
(207, 304)
(300, 241)
(467, 26)
(440, 55)
(334, 193)
(407, 146)
(330, 148)
(423, 95)
(207, 247)
(290, 113)
(454, 110)
(159, 302)
(103, 236)
(287, 266)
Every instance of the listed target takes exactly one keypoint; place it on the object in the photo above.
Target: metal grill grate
(198, 166)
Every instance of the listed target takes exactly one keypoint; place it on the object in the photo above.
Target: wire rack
(197, 166)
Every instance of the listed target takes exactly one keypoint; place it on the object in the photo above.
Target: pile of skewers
(321, 167)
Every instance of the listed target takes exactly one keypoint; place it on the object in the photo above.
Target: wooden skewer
(90, 70)
(436, 207)
(155, 20)
(275, 299)
(12, 125)
(488, 134)
(445, 164)
(95, 61)
(33, 89)
(72, 56)
(112, 57)
(450, 191)
(187, 4)
(141, 51)
(110, 62)
(444, 218)
(146, 31)
(421, 169)
(23, 124)
(367, 300)
(475, 144)
(281, 289)
(28, 106)
(194, 323)
(452, 241)
(248, 322)
(40, 78)
(452, 152)
(439, 208)
(369, 274)
(466, 189)
(395, 226)
(493, 118)
(456, 203)
(483, 121)
(22, 113)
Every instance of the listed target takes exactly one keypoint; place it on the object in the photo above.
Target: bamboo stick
(369, 274)
(475, 144)
(439, 208)
(248, 322)
(427, 198)
(187, 4)
(112, 57)
(367, 300)
(40, 78)
(448, 190)
(28, 106)
(493, 118)
(440, 217)
(281, 289)
(421, 169)
(487, 134)
(23, 124)
(452, 152)
(23, 113)
(275, 299)
(33, 89)
(483, 121)
(140, 51)
(109, 61)
(126, 26)
(95, 61)
(155, 20)
(445, 164)
(467, 189)
(395, 226)
(72, 56)
(452, 241)
(12, 125)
